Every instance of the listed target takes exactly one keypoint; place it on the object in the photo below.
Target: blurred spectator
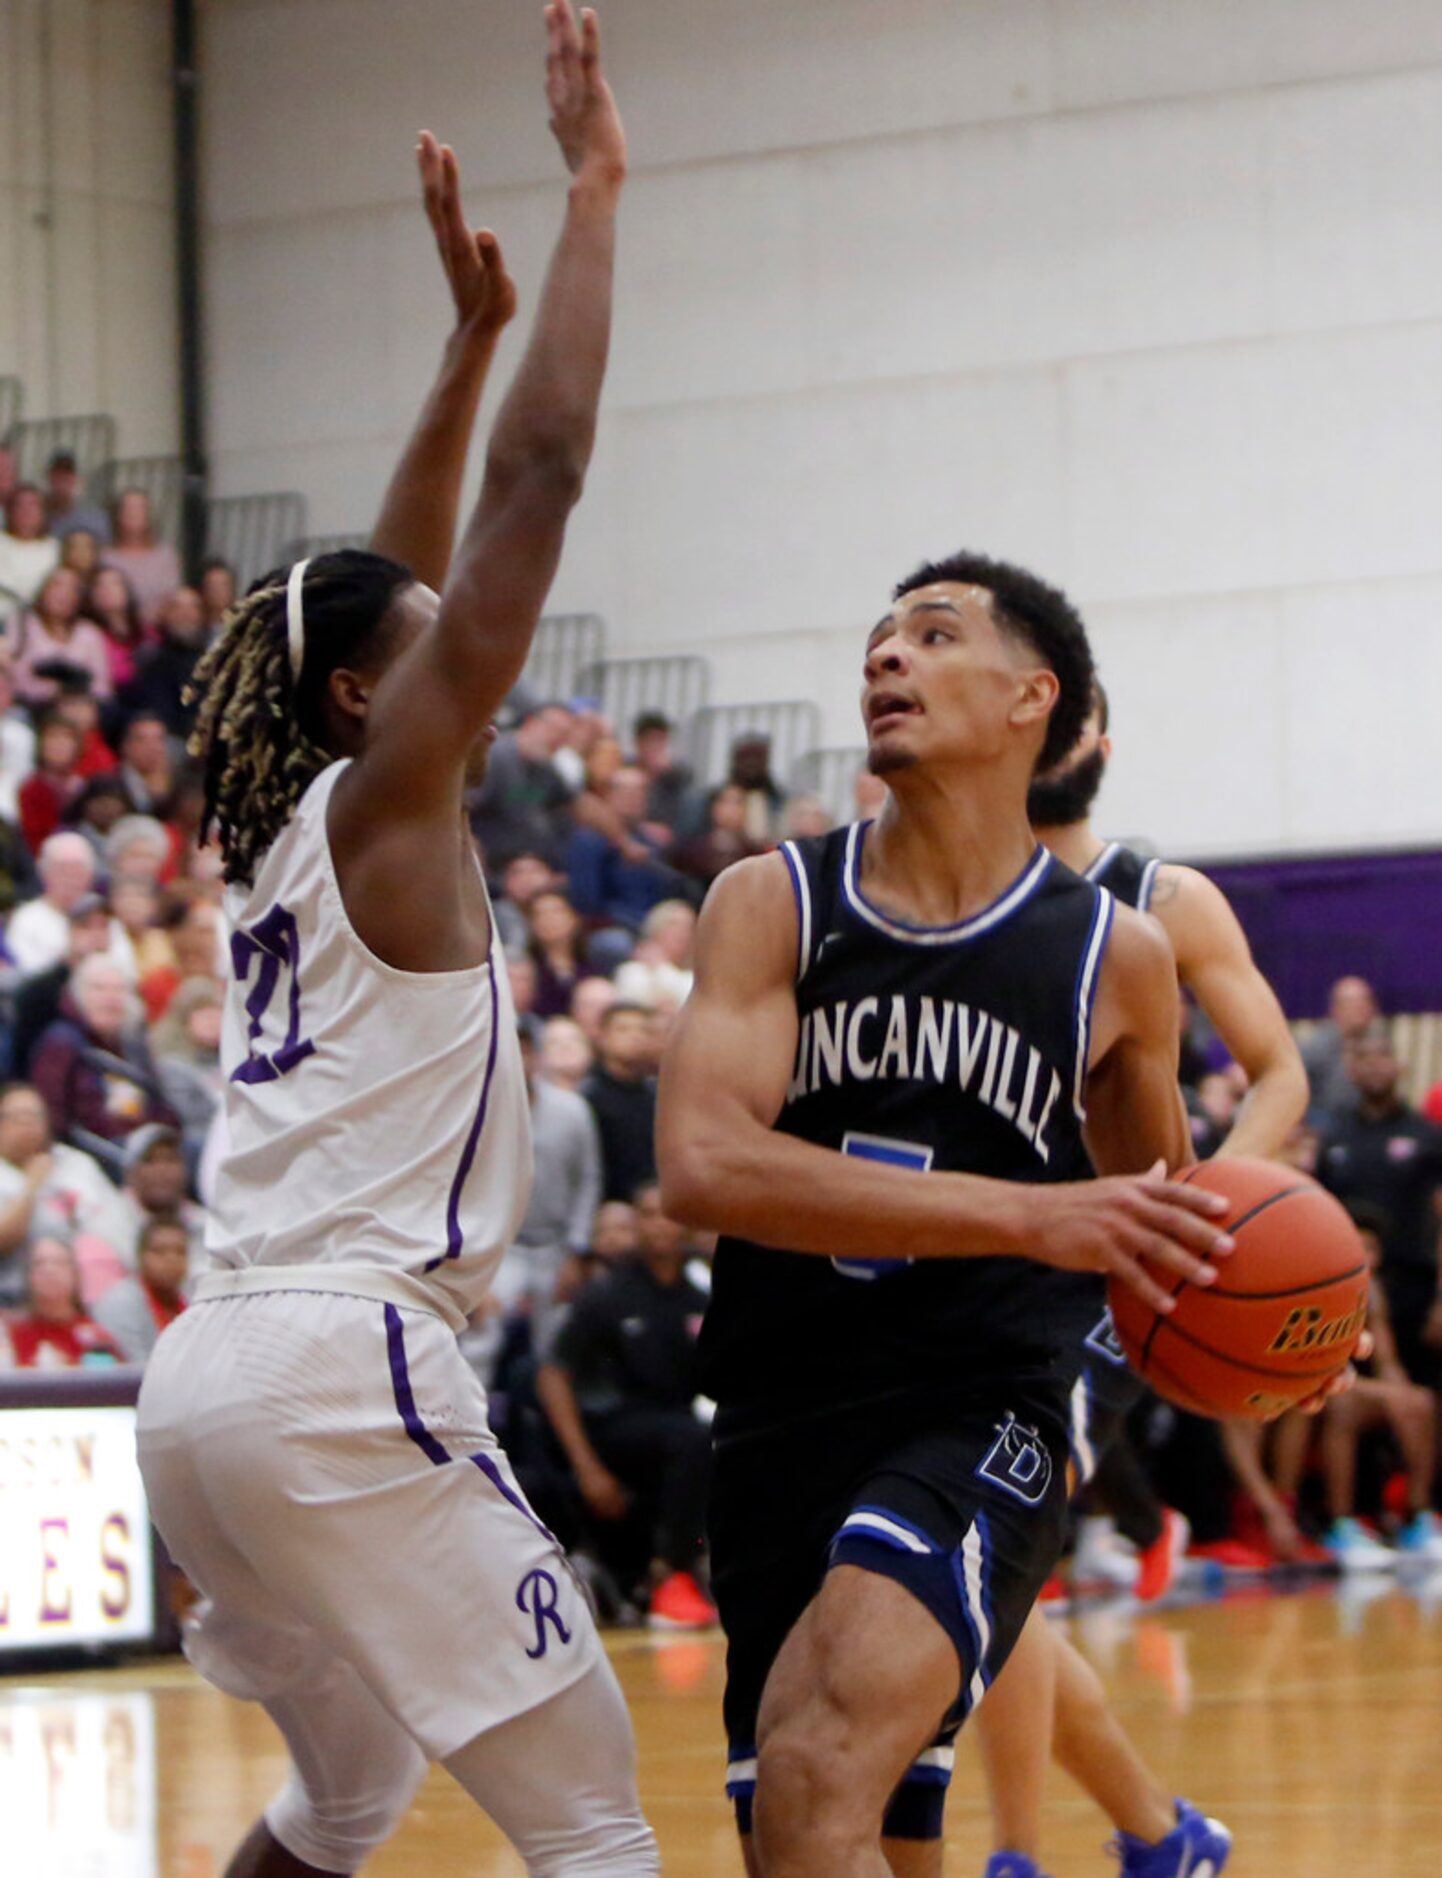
(110, 602)
(96, 808)
(524, 804)
(868, 795)
(1384, 1154)
(94, 1069)
(138, 846)
(615, 883)
(142, 947)
(152, 567)
(192, 924)
(669, 783)
(217, 594)
(9, 475)
(521, 971)
(50, 636)
(90, 931)
(28, 551)
(590, 1001)
(564, 1196)
(156, 1185)
(722, 841)
(75, 704)
(51, 788)
(589, 741)
(39, 932)
(805, 817)
(17, 745)
(18, 879)
(1351, 1009)
(660, 972)
(135, 1311)
(751, 772)
(80, 552)
(1432, 1104)
(44, 1182)
(65, 502)
(54, 1331)
(619, 1390)
(164, 670)
(604, 759)
(183, 813)
(615, 1232)
(555, 938)
(186, 1047)
(523, 877)
(566, 1057)
(623, 1096)
(1212, 1111)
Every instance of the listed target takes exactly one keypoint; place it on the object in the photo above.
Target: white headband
(295, 619)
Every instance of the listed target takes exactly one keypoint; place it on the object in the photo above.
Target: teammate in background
(315, 1449)
(1050, 1700)
(882, 1017)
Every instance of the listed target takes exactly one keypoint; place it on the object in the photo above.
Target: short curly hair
(1028, 608)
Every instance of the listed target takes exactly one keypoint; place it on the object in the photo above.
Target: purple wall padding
(1313, 920)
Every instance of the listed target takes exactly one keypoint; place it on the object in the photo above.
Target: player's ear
(350, 695)
(1036, 695)
(1104, 744)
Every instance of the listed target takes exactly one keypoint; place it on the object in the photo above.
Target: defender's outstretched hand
(484, 293)
(584, 118)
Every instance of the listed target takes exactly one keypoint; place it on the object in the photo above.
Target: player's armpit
(1215, 963)
(1134, 1112)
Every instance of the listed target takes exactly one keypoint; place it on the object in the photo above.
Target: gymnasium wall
(1145, 292)
(87, 275)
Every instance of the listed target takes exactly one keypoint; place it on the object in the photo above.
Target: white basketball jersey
(377, 1118)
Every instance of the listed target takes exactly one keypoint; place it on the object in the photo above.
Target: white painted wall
(1147, 293)
(87, 273)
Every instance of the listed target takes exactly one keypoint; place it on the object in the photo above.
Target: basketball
(1284, 1315)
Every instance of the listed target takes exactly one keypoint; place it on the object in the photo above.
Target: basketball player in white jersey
(315, 1449)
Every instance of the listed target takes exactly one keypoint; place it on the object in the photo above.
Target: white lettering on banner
(75, 1556)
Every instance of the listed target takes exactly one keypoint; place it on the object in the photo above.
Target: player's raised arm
(417, 523)
(439, 695)
(1216, 963)
(723, 1165)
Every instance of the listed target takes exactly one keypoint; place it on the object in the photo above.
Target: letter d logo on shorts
(1018, 1462)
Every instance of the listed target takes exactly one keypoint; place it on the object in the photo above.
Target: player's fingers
(1160, 1250)
(1366, 1346)
(590, 43)
(1186, 1228)
(1181, 1193)
(1135, 1275)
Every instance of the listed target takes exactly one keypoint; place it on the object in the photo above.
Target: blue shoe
(1011, 1865)
(1195, 1848)
(1421, 1538)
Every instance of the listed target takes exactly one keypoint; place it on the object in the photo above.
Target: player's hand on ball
(1142, 1228)
(1344, 1380)
(584, 118)
(484, 293)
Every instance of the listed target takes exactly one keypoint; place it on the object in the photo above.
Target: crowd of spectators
(600, 844)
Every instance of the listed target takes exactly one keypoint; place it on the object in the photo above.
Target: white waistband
(360, 1281)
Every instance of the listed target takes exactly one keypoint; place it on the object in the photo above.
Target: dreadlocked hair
(259, 735)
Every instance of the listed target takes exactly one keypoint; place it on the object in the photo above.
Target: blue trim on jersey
(455, 1233)
(1148, 883)
(1102, 862)
(867, 1531)
(986, 1604)
(1009, 901)
(801, 889)
(1088, 976)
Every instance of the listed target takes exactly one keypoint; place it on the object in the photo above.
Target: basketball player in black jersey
(876, 1093)
(1049, 1699)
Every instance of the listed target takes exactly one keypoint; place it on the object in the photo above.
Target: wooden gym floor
(1312, 1723)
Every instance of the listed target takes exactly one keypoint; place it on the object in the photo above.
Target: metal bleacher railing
(830, 774)
(564, 645)
(12, 405)
(251, 532)
(675, 685)
(34, 440)
(161, 477)
(792, 726)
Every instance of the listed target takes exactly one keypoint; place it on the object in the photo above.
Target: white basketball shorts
(320, 1467)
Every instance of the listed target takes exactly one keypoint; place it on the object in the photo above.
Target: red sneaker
(1053, 1591)
(679, 1603)
(1162, 1560)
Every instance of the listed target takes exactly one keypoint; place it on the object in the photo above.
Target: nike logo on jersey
(935, 1040)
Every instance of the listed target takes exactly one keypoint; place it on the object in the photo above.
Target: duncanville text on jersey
(905, 1038)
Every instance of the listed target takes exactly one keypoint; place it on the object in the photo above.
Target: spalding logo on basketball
(1286, 1310)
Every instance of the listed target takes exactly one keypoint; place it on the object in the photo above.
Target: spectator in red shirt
(52, 785)
(135, 1311)
(53, 1331)
(110, 601)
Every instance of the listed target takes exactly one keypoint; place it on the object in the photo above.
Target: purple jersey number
(275, 942)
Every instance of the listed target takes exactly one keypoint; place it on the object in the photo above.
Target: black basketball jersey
(1126, 875)
(960, 1049)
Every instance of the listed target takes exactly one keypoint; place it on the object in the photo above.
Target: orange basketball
(1284, 1315)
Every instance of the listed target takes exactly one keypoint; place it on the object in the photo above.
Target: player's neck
(938, 855)
(1075, 843)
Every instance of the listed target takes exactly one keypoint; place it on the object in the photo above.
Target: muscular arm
(1135, 1116)
(1215, 963)
(723, 1166)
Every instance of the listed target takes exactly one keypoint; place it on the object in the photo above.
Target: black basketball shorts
(962, 1504)
(1105, 1392)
